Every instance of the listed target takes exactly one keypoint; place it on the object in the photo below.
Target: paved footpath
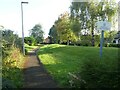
(35, 76)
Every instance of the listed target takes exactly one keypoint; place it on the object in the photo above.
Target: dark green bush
(7, 84)
(85, 43)
(111, 45)
(26, 51)
(86, 40)
(30, 41)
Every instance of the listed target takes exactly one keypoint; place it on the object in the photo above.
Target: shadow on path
(35, 76)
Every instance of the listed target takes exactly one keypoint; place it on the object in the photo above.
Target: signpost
(102, 26)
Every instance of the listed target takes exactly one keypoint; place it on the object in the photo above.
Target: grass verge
(59, 60)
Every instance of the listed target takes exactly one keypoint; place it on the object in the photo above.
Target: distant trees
(87, 13)
(37, 33)
(79, 24)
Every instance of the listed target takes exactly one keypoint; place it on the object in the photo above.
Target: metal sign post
(102, 25)
(101, 42)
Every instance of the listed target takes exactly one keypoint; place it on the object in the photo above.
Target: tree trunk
(92, 32)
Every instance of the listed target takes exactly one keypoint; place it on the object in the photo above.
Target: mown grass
(30, 48)
(59, 60)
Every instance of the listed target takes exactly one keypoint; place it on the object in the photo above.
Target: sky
(43, 12)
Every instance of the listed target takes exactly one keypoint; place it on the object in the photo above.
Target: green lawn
(30, 48)
(59, 60)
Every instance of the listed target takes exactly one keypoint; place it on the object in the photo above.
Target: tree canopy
(37, 33)
(81, 21)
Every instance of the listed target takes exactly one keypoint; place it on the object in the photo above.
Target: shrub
(7, 84)
(112, 45)
(12, 69)
(97, 40)
(26, 51)
(85, 43)
(85, 40)
(30, 41)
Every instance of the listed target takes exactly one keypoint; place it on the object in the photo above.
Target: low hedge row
(112, 45)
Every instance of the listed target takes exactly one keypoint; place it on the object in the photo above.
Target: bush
(7, 84)
(112, 45)
(30, 41)
(85, 43)
(26, 51)
(12, 69)
(97, 40)
(85, 40)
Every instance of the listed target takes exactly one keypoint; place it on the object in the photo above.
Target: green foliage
(85, 40)
(53, 34)
(30, 41)
(12, 60)
(12, 69)
(29, 48)
(84, 62)
(112, 45)
(9, 39)
(75, 26)
(7, 84)
(87, 13)
(97, 40)
(64, 32)
(37, 33)
(83, 16)
(26, 51)
(109, 36)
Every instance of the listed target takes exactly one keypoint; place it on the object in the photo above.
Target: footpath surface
(35, 76)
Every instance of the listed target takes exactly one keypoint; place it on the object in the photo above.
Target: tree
(37, 33)
(89, 12)
(63, 27)
(53, 34)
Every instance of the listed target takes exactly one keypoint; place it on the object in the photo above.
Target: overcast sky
(44, 12)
